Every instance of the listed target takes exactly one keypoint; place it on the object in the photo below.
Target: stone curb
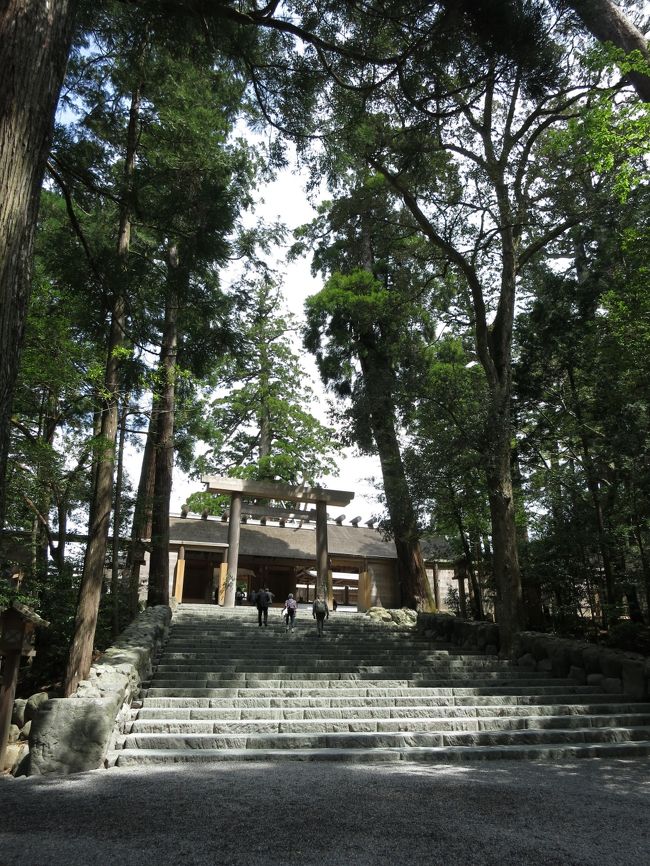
(72, 735)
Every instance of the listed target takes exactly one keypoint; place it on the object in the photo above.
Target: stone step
(384, 739)
(275, 677)
(210, 661)
(458, 754)
(385, 711)
(354, 687)
(225, 689)
(398, 698)
(390, 725)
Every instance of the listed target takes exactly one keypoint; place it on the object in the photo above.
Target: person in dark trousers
(320, 611)
(263, 601)
(290, 606)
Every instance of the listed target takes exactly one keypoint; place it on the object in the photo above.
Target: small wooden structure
(17, 637)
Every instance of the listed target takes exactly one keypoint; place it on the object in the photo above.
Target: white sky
(285, 199)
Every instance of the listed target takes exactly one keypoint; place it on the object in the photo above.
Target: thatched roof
(284, 542)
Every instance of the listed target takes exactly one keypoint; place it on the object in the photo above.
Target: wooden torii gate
(238, 489)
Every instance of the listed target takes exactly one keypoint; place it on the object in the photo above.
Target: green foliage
(261, 426)
(630, 636)
(610, 134)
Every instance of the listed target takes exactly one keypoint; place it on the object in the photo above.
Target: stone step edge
(464, 712)
(417, 754)
(339, 739)
(387, 725)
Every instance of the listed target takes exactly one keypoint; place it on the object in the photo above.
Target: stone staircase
(225, 689)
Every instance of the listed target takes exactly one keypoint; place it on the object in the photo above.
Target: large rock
(70, 735)
(34, 704)
(18, 712)
(399, 616)
(14, 755)
(635, 683)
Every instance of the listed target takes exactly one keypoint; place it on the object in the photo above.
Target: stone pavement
(497, 812)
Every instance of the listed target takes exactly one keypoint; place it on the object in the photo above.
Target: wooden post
(462, 600)
(323, 580)
(16, 640)
(363, 591)
(436, 586)
(233, 550)
(179, 575)
(223, 577)
(7, 694)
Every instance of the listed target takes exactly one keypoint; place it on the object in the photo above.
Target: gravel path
(587, 812)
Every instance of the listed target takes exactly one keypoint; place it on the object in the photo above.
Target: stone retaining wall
(467, 634)
(71, 735)
(614, 671)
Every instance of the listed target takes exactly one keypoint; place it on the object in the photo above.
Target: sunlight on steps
(225, 689)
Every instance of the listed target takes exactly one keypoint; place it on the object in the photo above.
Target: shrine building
(289, 549)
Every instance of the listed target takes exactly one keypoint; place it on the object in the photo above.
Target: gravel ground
(587, 812)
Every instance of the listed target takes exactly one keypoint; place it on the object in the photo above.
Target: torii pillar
(239, 488)
(234, 523)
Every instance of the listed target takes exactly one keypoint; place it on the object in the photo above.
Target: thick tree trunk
(142, 514)
(117, 520)
(34, 44)
(81, 649)
(509, 602)
(414, 585)
(164, 451)
(604, 20)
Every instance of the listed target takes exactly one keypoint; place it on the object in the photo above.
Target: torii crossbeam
(240, 488)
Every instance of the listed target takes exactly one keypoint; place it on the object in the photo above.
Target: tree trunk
(476, 598)
(594, 491)
(34, 44)
(164, 450)
(81, 649)
(117, 520)
(266, 432)
(604, 20)
(509, 601)
(142, 513)
(414, 585)
(645, 565)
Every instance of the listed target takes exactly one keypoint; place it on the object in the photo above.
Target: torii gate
(238, 488)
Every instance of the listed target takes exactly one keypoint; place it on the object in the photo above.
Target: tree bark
(142, 514)
(498, 473)
(164, 449)
(476, 597)
(593, 486)
(604, 20)
(412, 577)
(34, 44)
(81, 649)
(117, 521)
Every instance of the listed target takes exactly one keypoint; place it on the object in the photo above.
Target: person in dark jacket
(320, 611)
(263, 602)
